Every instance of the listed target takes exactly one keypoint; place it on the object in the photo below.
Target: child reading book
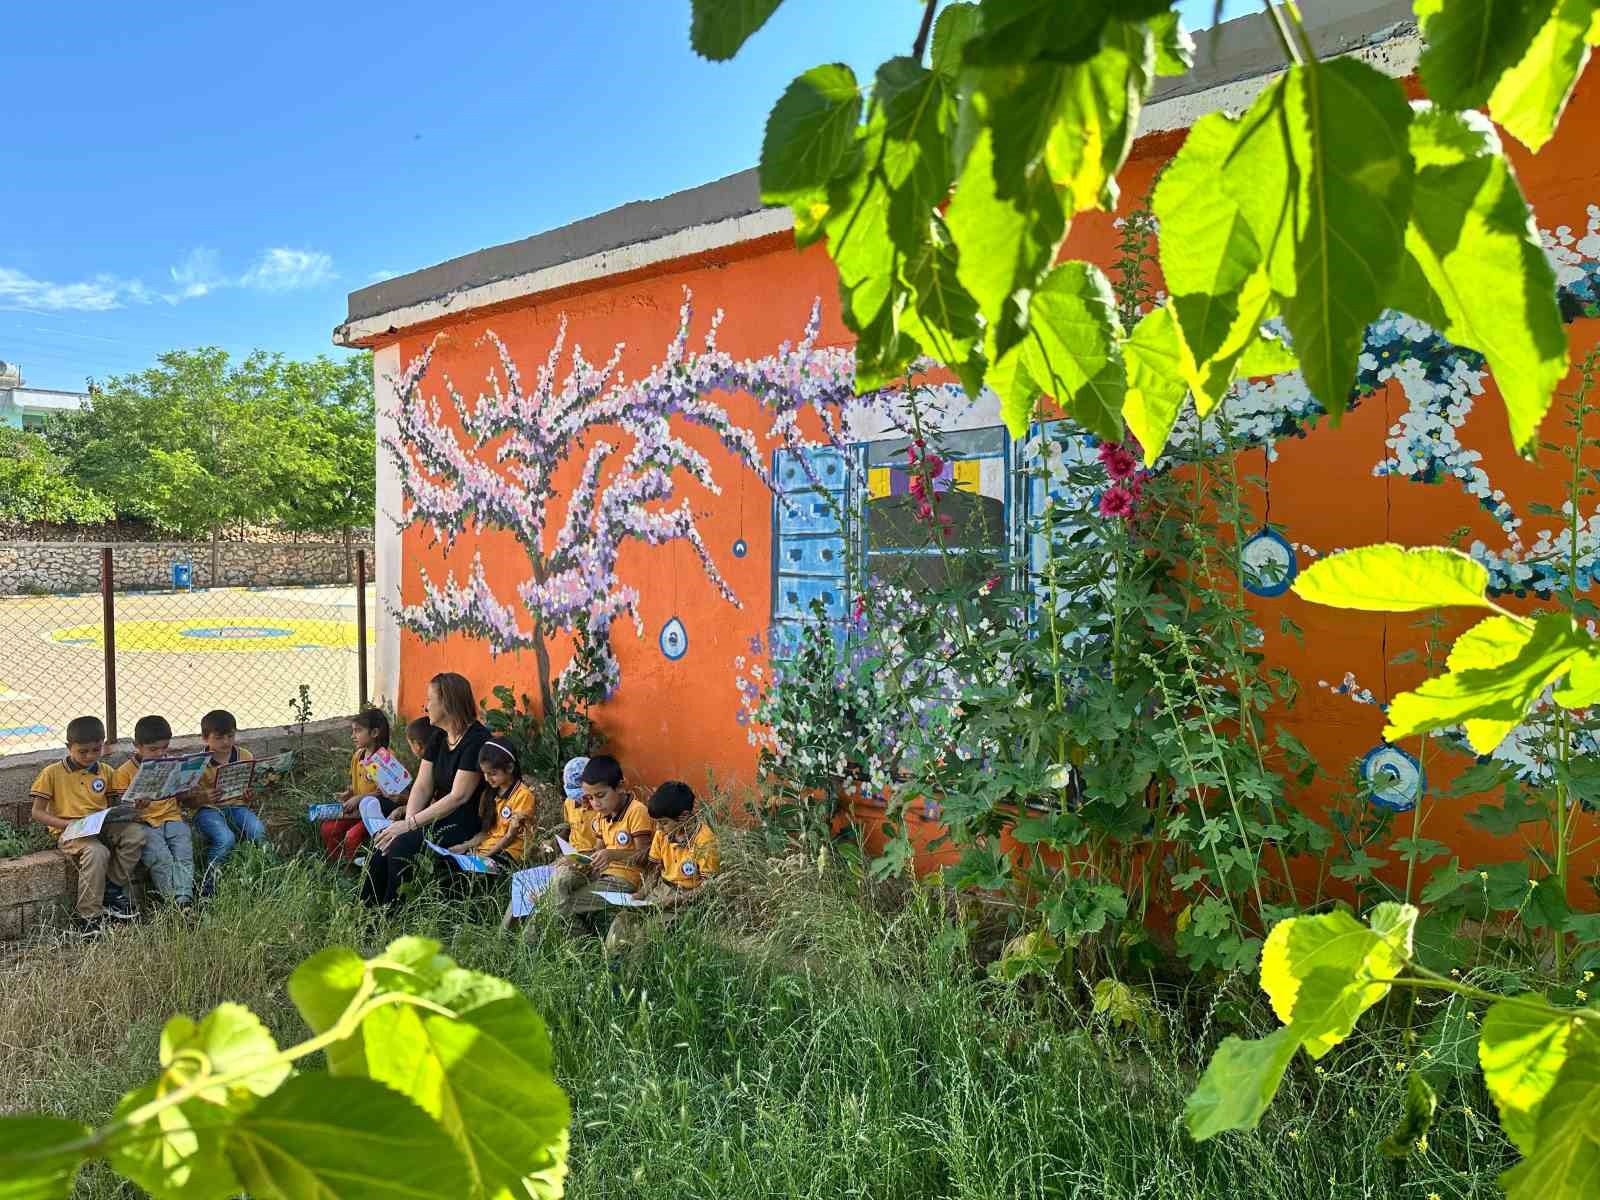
(507, 813)
(343, 835)
(221, 823)
(168, 844)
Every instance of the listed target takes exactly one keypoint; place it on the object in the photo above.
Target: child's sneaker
(87, 927)
(121, 909)
(359, 862)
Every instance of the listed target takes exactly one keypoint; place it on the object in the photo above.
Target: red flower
(1117, 461)
(860, 609)
(1116, 501)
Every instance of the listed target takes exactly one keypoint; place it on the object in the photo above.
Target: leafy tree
(35, 484)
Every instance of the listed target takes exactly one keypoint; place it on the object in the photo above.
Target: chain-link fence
(180, 652)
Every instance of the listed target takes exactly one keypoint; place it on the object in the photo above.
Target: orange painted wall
(677, 719)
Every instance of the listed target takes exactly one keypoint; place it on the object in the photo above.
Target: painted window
(1047, 463)
(973, 489)
(810, 516)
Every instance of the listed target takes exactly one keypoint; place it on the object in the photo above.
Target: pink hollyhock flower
(932, 465)
(1119, 464)
(1116, 501)
(860, 610)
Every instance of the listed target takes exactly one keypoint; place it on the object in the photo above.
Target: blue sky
(187, 175)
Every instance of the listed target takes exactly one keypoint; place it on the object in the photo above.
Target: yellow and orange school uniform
(580, 825)
(362, 781)
(626, 832)
(517, 803)
(688, 858)
(157, 812)
(71, 791)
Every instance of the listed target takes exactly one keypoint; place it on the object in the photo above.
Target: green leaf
(1415, 1120)
(1471, 44)
(1027, 31)
(322, 987)
(1565, 1164)
(718, 28)
(1358, 169)
(183, 1154)
(944, 318)
(919, 112)
(1072, 351)
(484, 1075)
(1003, 246)
(1239, 1083)
(951, 32)
(1153, 357)
(1319, 971)
(1267, 355)
(1530, 97)
(1489, 700)
(1174, 45)
(1390, 578)
(32, 1167)
(1521, 1051)
(1473, 238)
(1582, 688)
(810, 132)
(1492, 642)
(320, 1137)
(1267, 182)
(231, 1038)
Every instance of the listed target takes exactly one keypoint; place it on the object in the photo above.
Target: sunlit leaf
(1390, 578)
(1473, 237)
(322, 987)
(1530, 97)
(1174, 45)
(1582, 688)
(1521, 1050)
(1027, 31)
(1471, 43)
(1267, 356)
(32, 1164)
(1239, 1083)
(325, 1138)
(1493, 696)
(719, 27)
(1072, 352)
(1319, 971)
(183, 1154)
(1357, 164)
(230, 1038)
(1156, 389)
(809, 133)
(956, 25)
(1492, 642)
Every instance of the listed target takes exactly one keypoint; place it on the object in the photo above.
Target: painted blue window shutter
(809, 512)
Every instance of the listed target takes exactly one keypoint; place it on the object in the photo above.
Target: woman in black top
(444, 803)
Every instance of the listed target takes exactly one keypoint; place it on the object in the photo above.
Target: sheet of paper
(388, 772)
(233, 781)
(317, 813)
(526, 887)
(475, 863)
(372, 815)
(160, 778)
(85, 827)
(567, 849)
(623, 900)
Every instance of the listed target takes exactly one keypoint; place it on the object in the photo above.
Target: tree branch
(923, 30)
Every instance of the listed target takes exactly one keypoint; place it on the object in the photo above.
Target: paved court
(178, 654)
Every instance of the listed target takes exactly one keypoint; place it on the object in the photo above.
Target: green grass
(790, 1037)
(16, 841)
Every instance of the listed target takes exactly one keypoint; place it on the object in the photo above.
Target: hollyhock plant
(1117, 501)
(1118, 461)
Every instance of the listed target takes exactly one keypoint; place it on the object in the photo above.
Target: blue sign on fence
(182, 575)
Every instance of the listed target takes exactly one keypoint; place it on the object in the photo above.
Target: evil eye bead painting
(740, 548)
(1393, 777)
(674, 639)
(1269, 563)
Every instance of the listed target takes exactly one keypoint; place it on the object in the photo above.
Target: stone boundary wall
(36, 890)
(62, 568)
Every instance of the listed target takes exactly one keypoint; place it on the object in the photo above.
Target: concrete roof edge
(1232, 61)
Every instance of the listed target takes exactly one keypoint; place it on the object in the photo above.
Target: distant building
(25, 407)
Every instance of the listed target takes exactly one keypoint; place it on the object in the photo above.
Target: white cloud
(103, 292)
(284, 270)
(199, 273)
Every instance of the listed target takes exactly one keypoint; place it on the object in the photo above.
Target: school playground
(178, 654)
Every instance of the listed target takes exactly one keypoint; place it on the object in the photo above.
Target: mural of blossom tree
(495, 466)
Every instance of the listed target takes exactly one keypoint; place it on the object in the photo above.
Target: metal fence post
(361, 628)
(108, 635)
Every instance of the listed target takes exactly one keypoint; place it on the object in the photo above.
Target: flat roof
(1232, 61)
(26, 397)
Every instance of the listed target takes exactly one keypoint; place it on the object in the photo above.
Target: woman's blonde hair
(455, 693)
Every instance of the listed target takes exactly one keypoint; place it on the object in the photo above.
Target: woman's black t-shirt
(466, 820)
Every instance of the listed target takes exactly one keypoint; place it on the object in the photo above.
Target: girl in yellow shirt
(508, 818)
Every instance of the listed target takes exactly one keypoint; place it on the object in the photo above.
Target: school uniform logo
(622, 837)
(99, 785)
(690, 868)
(505, 812)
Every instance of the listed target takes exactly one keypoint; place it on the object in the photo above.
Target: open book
(91, 825)
(528, 884)
(568, 849)
(388, 772)
(476, 863)
(317, 813)
(235, 780)
(160, 778)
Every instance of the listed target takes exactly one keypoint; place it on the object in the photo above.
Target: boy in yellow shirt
(683, 855)
(78, 785)
(622, 830)
(579, 828)
(168, 845)
(222, 825)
